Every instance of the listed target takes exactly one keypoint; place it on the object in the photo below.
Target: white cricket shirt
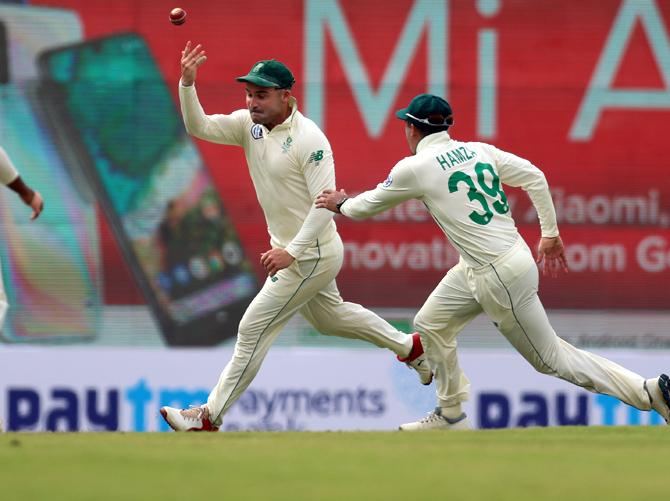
(290, 166)
(460, 184)
(8, 172)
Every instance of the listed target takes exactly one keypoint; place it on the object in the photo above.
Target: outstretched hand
(551, 256)
(32, 199)
(329, 200)
(275, 260)
(36, 204)
(191, 59)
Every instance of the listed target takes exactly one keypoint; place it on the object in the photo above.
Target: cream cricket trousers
(307, 286)
(506, 290)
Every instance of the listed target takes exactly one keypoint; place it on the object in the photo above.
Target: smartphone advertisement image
(152, 184)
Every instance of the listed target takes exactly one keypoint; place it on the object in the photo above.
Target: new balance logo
(315, 157)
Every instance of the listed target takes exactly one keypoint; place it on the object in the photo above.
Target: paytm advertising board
(579, 88)
(297, 389)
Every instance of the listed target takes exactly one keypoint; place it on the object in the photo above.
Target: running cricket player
(9, 176)
(290, 162)
(461, 185)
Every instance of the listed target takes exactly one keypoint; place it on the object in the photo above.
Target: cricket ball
(177, 16)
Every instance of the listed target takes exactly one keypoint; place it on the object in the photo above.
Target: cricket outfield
(562, 463)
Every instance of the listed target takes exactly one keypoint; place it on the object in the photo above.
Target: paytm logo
(63, 410)
(135, 408)
(498, 410)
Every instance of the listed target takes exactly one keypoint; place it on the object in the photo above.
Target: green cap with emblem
(269, 73)
(427, 110)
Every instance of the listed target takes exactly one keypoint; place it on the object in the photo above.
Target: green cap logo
(269, 73)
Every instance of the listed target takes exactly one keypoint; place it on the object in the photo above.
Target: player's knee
(420, 322)
(545, 363)
(247, 335)
(427, 329)
(251, 325)
(424, 325)
(543, 367)
(244, 325)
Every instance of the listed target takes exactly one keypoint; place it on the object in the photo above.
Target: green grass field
(533, 464)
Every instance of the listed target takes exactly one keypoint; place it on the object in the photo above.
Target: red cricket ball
(177, 16)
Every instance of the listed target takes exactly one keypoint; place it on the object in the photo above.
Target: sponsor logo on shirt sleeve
(315, 157)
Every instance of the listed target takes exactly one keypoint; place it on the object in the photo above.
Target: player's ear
(413, 130)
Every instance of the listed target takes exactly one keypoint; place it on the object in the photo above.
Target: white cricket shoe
(658, 390)
(436, 421)
(193, 419)
(417, 360)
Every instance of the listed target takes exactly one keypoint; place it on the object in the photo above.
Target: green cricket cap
(269, 73)
(427, 109)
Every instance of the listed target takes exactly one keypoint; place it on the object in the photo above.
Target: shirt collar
(293, 103)
(431, 139)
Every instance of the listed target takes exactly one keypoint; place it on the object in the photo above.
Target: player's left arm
(519, 172)
(315, 159)
(401, 185)
(9, 176)
(551, 256)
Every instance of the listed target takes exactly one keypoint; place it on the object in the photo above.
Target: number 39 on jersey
(496, 199)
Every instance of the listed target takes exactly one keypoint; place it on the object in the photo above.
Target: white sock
(409, 344)
(654, 392)
(452, 411)
(656, 397)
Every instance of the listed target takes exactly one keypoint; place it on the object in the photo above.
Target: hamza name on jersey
(454, 157)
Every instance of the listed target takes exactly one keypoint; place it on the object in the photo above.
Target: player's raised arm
(192, 57)
(222, 129)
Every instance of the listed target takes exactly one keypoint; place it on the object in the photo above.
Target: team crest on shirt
(388, 182)
(287, 144)
(257, 131)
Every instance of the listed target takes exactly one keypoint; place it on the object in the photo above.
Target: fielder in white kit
(290, 162)
(9, 176)
(460, 184)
